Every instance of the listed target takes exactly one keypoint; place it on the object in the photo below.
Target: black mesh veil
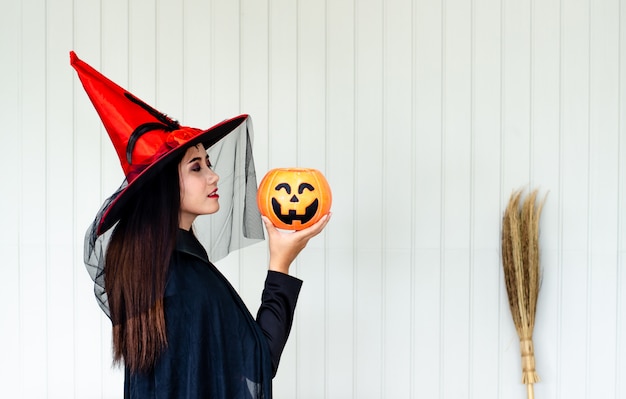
(237, 224)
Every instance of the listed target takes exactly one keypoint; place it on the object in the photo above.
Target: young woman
(179, 327)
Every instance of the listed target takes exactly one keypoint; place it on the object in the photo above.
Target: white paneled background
(424, 115)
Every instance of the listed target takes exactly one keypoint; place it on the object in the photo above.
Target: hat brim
(111, 213)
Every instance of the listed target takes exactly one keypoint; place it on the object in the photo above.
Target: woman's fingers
(285, 246)
(314, 229)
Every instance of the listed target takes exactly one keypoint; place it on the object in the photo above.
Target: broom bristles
(520, 260)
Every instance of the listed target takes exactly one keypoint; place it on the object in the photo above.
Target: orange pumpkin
(294, 198)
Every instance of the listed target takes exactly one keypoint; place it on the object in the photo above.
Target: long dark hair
(137, 262)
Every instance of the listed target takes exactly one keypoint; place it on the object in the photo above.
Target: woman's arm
(275, 316)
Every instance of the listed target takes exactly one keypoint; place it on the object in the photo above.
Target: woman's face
(198, 186)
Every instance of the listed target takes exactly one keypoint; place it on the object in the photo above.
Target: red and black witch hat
(144, 138)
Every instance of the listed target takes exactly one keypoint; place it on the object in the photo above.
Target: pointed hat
(144, 138)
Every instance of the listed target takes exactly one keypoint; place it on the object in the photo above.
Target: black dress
(216, 349)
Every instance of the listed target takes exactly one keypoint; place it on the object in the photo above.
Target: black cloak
(216, 349)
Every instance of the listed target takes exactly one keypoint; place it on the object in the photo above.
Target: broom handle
(529, 376)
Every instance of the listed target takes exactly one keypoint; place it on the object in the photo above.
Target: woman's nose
(212, 177)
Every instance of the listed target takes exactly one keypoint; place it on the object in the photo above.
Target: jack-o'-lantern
(294, 198)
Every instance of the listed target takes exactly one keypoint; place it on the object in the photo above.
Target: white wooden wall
(424, 115)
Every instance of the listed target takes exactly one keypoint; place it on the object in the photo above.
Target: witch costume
(215, 347)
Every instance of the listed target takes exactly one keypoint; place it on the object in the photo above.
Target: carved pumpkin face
(294, 198)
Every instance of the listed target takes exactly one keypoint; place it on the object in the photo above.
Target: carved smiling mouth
(292, 216)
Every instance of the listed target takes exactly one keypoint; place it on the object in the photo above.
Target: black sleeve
(275, 316)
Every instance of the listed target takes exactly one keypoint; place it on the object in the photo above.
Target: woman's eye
(195, 168)
(209, 164)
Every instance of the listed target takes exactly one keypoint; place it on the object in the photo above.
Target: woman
(179, 327)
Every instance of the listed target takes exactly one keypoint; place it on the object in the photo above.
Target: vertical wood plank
(226, 54)
(88, 136)
(398, 190)
(428, 121)
(620, 364)
(485, 124)
(455, 330)
(544, 176)
(575, 200)
(339, 299)
(427, 343)
(517, 55)
(311, 90)
(427, 114)
(456, 141)
(10, 209)
(197, 39)
(253, 100)
(142, 65)
(486, 276)
(32, 224)
(254, 73)
(603, 186)
(169, 58)
(457, 134)
(516, 77)
(282, 79)
(115, 65)
(254, 92)
(312, 143)
(283, 133)
(59, 211)
(369, 164)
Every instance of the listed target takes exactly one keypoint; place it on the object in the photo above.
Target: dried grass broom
(520, 260)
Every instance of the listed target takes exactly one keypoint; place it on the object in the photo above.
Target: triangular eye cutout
(286, 186)
(305, 186)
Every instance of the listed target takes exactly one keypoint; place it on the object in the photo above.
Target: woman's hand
(285, 246)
